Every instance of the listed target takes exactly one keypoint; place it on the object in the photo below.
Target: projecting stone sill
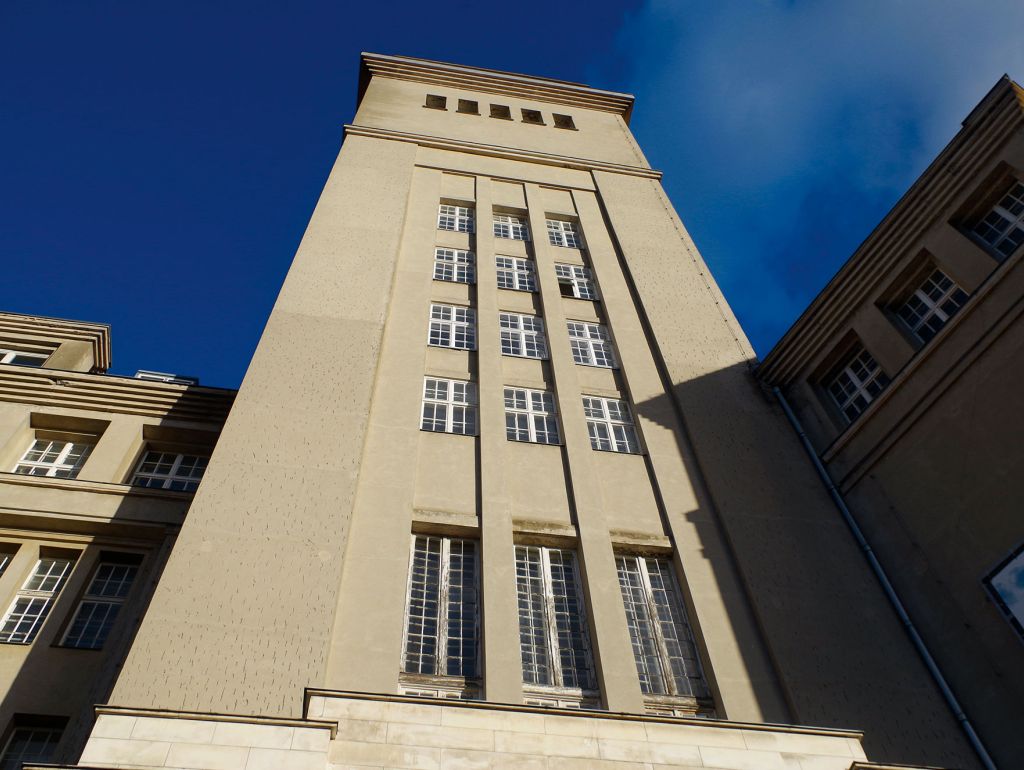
(350, 730)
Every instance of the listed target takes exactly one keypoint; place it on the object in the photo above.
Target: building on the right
(904, 376)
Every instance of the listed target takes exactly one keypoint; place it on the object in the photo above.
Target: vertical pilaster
(503, 681)
(612, 649)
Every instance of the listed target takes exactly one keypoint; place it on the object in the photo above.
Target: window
(22, 358)
(449, 406)
(33, 601)
(553, 638)
(469, 107)
(501, 111)
(179, 379)
(530, 416)
(575, 281)
(522, 335)
(436, 102)
(100, 605)
(857, 383)
(459, 219)
(452, 327)
(666, 658)
(511, 226)
(590, 344)
(515, 273)
(610, 425)
(441, 636)
(562, 233)
(28, 745)
(454, 265)
(564, 121)
(169, 470)
(533, 117)
(1003, 227)
(1005, 584)
(932, 304)
(56, 459)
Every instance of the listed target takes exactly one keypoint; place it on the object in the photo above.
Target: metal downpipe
(890, 592)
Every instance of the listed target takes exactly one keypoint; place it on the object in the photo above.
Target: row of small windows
(500, 111)
(450, 406)
(454, 326)
(155, 470)
(926, 306)
(462, 219)
(858, 379)
(442, 636)
(516, 273)
(97, 610)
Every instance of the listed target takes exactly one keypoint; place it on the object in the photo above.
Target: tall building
(500, 489)
(904, 375)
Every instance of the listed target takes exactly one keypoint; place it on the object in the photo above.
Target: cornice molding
(986, 131)
(505, 153)
(59, 330)
(493, 82)
(121, 395)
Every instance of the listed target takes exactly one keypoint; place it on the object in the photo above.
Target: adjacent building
(904, 375)
(97, 474)
(501, 489)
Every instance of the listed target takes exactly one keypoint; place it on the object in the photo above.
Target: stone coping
(209, 716)
(312, 692)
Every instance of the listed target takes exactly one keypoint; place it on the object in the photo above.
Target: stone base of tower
(353, 730)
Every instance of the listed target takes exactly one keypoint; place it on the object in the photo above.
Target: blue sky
(161, 159)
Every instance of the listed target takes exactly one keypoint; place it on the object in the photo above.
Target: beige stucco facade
(277, 636)
(933, 467)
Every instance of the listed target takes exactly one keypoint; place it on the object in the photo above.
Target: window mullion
(551, 619)
(667, 676)
(441, 654)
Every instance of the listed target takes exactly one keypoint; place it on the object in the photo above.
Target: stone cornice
(59, 330)
(505, 153)
(493, 82)
(121, 395)
(986, 130)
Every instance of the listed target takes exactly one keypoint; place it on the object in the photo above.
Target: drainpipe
(890, 592)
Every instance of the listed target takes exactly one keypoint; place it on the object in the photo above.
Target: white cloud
(754, 108)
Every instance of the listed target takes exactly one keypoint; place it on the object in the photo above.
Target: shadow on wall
(839, 651)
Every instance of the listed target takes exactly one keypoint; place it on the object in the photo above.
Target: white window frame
(578, 278)
(109, 588)
(565, 234)
(180, 478)
(24, 756)
(65, 464)
(511, 227)
(522, 336)
(34, 600)
(866, 382)
(458, 399)
(933, 302)
(440, 682)
(591, 344)
(10, 356)
(454, 265)
(515, 273)
(455, 218)
(452, 326)
(611, 425)
(531, 415)
(664, 649)
(1002, 228)
(544, 617)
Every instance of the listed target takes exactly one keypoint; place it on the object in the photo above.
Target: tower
(500, 487)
